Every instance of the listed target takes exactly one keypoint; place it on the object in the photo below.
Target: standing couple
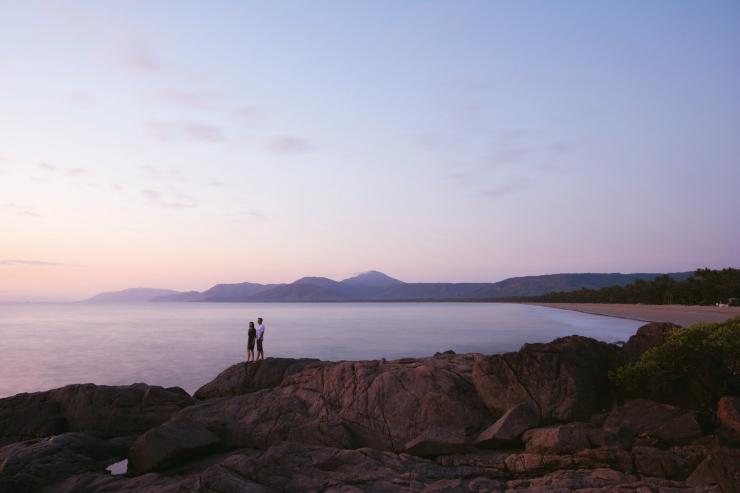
(252, 335)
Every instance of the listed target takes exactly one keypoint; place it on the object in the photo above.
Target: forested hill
(703, 287)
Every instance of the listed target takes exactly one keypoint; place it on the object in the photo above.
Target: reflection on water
(47, 345)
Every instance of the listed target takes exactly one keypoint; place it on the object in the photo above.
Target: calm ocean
(47, 345)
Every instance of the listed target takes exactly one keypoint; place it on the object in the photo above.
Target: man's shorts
(259, 345)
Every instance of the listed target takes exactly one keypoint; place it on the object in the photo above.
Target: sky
(179, 144)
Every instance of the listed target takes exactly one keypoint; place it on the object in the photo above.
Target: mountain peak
(372, 278)
(316, 281)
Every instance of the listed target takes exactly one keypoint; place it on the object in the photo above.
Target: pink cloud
(288, 145)
(140, 61)
(20, 210)
(247, 112)
(80, 99)
(169, 200)
(177, 97)
(47, 167)
(185, 130)
(504, 189)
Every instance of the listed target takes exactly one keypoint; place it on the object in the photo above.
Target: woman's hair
(251, 324)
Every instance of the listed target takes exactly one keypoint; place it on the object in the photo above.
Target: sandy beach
(677, 314)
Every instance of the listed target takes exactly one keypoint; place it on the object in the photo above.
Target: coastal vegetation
(703, 287)
(693, 368)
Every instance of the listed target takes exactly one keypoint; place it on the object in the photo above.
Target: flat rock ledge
(544, 418)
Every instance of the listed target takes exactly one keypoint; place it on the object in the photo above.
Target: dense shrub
(693, 368)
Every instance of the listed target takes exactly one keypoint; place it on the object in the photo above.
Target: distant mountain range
(376, 286)
(131, 295)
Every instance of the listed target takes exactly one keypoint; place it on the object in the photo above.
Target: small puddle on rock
(118, 467)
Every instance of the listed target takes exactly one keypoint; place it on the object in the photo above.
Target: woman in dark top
(251, 336)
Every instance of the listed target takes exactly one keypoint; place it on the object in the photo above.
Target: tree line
(703, 287)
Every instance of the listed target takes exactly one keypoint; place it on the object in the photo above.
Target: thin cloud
(80, 99)
(285, 144)
(510, 155)
(30, 262)
(177, 97)
(140, 61)
(47, 167)
(169, 201)
(249, 113)
(463, 177)
(20, 210)
(505, 189)
(76, 171)
(256, 214)
(112, 186)
(185, 130)
(50, 168)
(168, 175)
(567, 146)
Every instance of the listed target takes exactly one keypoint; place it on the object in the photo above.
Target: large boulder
(437, 441)
(728, 413)
(86, 407)
(33, 464)
(166, 445)
(243, 378)
(379, 404)
(663, 423)
(508, 427)
(648, 336)
(720, 467)
(564, 380)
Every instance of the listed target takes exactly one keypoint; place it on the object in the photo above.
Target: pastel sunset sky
(179, 144)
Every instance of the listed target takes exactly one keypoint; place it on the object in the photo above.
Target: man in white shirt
(260, 338)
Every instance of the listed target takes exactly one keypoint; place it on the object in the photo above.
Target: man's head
(259, 320)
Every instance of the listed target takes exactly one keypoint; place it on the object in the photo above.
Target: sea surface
(48, 345)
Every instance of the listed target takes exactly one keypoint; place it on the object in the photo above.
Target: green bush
(694, 368)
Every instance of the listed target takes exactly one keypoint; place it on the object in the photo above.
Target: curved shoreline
(677, 314)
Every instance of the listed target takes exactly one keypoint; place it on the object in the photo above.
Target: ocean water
(48, 345)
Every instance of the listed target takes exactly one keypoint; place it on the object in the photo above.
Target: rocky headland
(545, 418)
